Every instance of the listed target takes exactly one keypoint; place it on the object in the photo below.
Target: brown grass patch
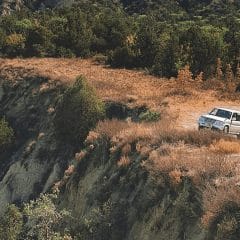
(216, 198)
(111, 128)
(193, 162)
(223, 146)
(175, 177)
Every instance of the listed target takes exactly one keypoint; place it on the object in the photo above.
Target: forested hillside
(161, 36)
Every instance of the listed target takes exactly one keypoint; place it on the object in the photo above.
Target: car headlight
(218, 123)
(201, 119)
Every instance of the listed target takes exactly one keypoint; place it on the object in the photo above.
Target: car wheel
(238, 136)
(226, 129)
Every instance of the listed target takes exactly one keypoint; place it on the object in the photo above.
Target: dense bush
(11, 223)
(6, 134)
(39, 219)
(78, 111)
(149, 116)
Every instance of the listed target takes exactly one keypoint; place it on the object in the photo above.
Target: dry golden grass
(225, 146)
(175, 177)
(194, 162)
(127, 86)
(126, 149)
(113, 84)
(79, 156)
(111, 128)
(69, 171)
(216, 198)
(124, 161)
(187, 151)
(123, 132)
(92, 137)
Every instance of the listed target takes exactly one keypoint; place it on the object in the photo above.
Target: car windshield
(221, 113)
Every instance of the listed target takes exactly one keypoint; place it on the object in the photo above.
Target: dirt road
(128, 86)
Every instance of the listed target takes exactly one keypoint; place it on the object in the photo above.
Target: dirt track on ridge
(129, 86)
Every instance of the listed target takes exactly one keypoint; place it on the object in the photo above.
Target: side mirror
(234, 118)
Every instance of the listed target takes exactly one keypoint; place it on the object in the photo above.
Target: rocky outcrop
(37, 159)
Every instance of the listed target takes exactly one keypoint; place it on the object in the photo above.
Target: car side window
(236, 117)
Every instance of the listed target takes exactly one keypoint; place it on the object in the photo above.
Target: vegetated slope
(36, 160)
(151, 181)
(12, 5)
(192, 6)
(130, 180)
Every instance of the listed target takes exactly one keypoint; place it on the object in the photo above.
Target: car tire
(238, 136)
(226, 129)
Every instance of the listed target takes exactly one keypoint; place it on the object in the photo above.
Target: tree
(11, 223)
(15, 44)
(6, 134)
(44, 220)
(79, 33)
(78, 111)
(203, 45)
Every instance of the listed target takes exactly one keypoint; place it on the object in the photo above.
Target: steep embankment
(131, 180)
(36, 160)
(114, 201)
(149, 181)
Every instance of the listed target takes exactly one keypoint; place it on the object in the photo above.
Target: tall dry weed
(216, 198)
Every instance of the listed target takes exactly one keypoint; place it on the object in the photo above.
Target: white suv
(223, 119)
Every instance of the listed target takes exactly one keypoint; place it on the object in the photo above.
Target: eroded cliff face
(107, 200)
(37, 159)
(129, 202)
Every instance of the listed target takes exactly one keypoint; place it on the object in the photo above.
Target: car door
(235, 124)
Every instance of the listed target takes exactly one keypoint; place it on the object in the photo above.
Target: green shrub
(6, 134)
(45, 220)
(122, 57)
(11, 223)
(78, 111)
(149, 116)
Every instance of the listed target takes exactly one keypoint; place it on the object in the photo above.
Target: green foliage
(164, 35)
(44, 220)
(97, 223)
(78, 111)
(6, 134)
(149, 116)
(11, 223)
(123, 57)
(15, 44)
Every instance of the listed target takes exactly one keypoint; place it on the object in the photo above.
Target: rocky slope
(129, 202)
(36, 160)
(131, 181)
(110, 202)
